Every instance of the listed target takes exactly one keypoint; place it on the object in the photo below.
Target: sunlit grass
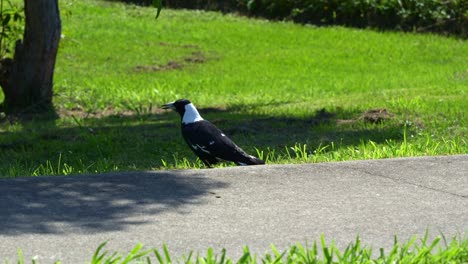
(423, 251)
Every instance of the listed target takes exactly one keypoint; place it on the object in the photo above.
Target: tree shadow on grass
(151, 139)
(97, 203)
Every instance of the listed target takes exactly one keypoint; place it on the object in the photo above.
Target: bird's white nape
(191, 114)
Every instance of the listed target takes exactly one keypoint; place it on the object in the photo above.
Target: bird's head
(186, 110)
(178, 106)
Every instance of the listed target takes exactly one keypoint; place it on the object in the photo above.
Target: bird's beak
(168, 106)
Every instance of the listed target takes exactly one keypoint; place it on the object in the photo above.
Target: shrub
(11, 27)
(441, 16)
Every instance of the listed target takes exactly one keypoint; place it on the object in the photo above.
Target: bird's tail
(251, 160)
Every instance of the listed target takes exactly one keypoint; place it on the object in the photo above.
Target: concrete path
(66, 218)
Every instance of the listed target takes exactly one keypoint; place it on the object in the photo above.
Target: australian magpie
(209, 143)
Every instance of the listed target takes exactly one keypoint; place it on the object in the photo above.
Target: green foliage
(134, 256)
(411, 252)
(12, 26)
(323, 253)
(408, 15)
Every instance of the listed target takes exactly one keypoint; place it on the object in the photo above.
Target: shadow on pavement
(96, 203)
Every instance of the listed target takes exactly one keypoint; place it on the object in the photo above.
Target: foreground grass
(287, 92)
(413, 251)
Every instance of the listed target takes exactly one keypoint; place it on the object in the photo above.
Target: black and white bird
(209, 143)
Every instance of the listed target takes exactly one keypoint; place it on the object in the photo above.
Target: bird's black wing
(208, 142)
(198, 148)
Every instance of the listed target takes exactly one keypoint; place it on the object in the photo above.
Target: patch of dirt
(376, 116)
(194, 57)
(372, 116)
(171, 65)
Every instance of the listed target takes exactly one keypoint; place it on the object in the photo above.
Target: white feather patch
(202, 148)
(191, 115)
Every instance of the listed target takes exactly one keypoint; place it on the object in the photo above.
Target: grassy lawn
(289, 93)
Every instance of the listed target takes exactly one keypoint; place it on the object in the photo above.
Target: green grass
(264, 83)
(424, 251)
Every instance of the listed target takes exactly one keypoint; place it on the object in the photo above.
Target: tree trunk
(27, 83)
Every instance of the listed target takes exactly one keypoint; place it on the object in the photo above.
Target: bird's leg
(207, 163)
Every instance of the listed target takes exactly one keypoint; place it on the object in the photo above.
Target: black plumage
(208, 142)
